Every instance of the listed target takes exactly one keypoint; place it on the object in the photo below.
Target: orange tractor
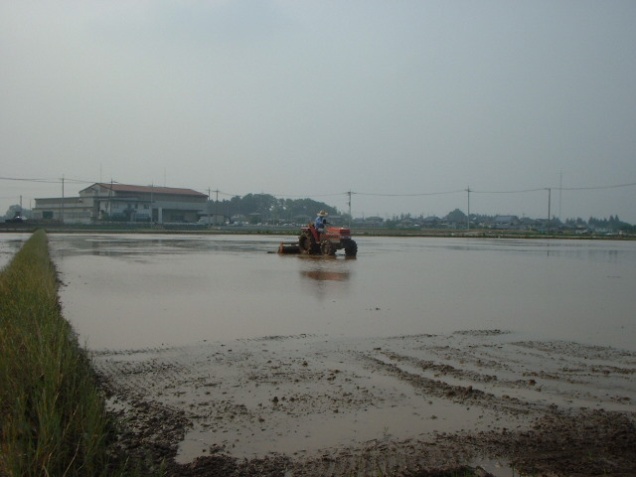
(312, 242)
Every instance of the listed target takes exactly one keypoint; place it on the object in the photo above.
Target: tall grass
(52, 416)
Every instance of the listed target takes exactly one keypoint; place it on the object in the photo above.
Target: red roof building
(105, 202)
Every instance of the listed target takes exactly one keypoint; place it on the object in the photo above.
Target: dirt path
(312, 405)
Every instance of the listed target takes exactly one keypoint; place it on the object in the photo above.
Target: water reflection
(136, 290)
(322, 275)
(601, 251)
(10, 244)
(124, 246)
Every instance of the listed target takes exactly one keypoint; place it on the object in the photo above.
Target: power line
(349, 193)
(38, 180)
(617, 186)
(517, 191)
(507, 191)
(46, 181)
(418, 194)
(290, 196)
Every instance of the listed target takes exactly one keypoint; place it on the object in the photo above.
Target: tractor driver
(321, 221)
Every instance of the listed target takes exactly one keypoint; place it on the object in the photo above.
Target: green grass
(52, 415)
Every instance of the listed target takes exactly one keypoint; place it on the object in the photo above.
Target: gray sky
(405, 103)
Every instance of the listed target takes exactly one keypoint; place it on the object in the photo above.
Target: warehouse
(123, 203)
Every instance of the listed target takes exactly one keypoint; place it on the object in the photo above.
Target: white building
(123, 203)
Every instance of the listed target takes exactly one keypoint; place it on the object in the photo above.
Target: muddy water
(10, 243)
(141, 291)
(264, 353)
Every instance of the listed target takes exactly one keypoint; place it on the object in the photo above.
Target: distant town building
(123, 203)
(506, 221)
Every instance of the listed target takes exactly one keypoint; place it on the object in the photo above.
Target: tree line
(266, 207)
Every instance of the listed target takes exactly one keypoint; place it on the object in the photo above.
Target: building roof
(115, 187)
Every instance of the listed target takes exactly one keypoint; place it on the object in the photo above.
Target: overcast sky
(404, 103)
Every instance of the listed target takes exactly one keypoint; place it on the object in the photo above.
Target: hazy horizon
(406, 104)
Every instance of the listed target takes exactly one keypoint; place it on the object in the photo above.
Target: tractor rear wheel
(351, 248)
(304, 243)
(327, 248)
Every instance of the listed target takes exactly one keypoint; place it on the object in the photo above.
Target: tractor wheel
(351, 248)
(327, 248)
(304, 243)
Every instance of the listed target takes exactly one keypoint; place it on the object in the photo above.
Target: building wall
(99, 203)
(72, 210)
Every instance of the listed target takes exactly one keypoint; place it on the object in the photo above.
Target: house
(124, 203)
(505, 221)
(431, 222)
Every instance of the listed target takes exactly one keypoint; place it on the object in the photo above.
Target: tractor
(312, 242)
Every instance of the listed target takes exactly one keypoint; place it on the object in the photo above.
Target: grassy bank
(52, 416)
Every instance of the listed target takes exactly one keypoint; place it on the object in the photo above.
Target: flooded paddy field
(10, 244)
(421, 353)
(136, 291)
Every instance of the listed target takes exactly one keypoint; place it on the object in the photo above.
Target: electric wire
(63, 180)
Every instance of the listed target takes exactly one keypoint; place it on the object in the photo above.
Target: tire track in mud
(461, 394)
(282, 401)
(575, 374)
(549, 373)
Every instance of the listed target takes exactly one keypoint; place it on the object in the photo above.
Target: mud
(418, 405)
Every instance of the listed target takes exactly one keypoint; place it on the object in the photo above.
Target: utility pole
(62, 213)
(349, 193)
(152, 192)
(208, 206)
(216, 206)
(560, 193)
(549, 202)
(468, 216)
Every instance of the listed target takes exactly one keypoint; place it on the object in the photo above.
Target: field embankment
(52, 415)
